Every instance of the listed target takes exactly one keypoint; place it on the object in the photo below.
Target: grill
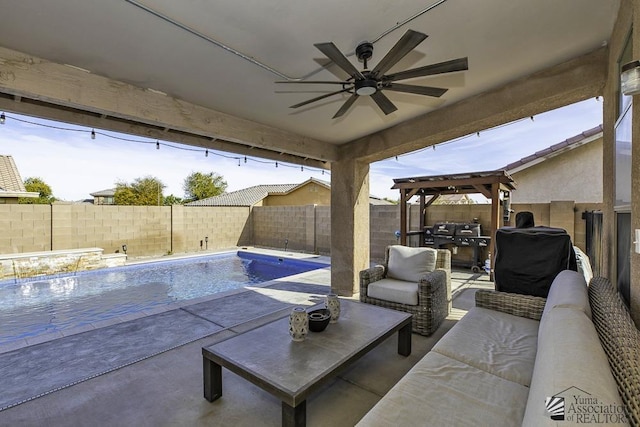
(448, 234)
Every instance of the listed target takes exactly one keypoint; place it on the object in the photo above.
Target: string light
(465, 137)
(93, 134)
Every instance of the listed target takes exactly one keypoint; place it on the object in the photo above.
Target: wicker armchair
(434, 293)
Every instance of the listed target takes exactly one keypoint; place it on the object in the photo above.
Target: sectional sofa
(572, 358)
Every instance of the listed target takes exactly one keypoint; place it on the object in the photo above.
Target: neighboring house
(570, 170)
(11, 185)
(104, 197)
(310, 192)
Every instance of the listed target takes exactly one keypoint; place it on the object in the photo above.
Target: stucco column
(349, 224)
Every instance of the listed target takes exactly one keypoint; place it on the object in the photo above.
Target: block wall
(146, 230)
(282, 226)
(25, 228)
(159, 230)
(224, 227)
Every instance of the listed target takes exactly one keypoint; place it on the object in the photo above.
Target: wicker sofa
(572, 358)
(432, 300)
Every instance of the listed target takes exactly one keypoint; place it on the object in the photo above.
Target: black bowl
(319, 319)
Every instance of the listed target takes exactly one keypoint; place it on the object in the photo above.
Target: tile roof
(252, 195)
(567, 144)
(10, 179)
(245, 197)
(109, 192)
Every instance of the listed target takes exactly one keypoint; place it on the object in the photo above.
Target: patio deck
(166, 389)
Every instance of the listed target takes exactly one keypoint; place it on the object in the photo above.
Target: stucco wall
(309, 194)
(574, 175)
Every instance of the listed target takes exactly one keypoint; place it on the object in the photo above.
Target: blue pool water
(44, 305)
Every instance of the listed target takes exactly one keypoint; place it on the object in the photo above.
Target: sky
(75, 165)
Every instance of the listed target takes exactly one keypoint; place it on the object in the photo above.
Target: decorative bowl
(319, 319)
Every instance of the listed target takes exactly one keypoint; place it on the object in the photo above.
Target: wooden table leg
(212, 376)
(404, 340)
(294, 416)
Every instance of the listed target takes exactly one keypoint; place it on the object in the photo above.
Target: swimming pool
(50, 304)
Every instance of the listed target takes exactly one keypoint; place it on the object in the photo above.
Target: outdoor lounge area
(206, 76)
(167, 388)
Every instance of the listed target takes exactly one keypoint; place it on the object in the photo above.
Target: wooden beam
(483, 190)
(557, 86)
(83, 118)
(433, 199)
(26, 76)
(452, 182)
(495, 222)
(403, 217)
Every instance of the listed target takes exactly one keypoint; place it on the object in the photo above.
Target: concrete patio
(166, 389)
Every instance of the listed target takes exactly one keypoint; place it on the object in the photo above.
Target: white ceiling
(503, 39)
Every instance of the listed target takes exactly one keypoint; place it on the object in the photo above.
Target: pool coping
(26, 342)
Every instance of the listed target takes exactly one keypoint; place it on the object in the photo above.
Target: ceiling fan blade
(348, 103)
(323, 82)
(333, 53)
(418, 90)
(384, 103)
(459, 64)
(318, 98)
(406, 44)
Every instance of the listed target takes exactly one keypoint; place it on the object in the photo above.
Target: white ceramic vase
(333, 304)
(298, 324)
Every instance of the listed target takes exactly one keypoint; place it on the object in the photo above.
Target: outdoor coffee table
(290, 370)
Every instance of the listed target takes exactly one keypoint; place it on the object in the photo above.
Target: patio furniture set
(570, 355)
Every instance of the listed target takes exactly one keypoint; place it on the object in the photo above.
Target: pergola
(490, 184)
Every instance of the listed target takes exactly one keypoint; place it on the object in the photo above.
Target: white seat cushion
(571, 364)
(495, 342)
(395, 291)
(410, 264)
(440, 391)
(568, 290)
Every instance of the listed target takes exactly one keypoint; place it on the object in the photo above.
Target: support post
(349, 224)
(403, 216)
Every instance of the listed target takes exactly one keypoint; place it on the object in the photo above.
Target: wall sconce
(630, 78)
(124, 249)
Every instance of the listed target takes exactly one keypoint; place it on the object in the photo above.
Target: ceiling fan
(373, 82)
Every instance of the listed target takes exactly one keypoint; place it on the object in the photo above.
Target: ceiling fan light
(366, 87)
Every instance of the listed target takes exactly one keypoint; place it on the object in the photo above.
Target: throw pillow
(410, 264)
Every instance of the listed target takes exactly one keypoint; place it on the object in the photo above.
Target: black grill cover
(528, 259)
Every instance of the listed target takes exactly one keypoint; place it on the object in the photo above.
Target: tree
(199, 185)
(145, 191)
(172, 200)
(37, 185)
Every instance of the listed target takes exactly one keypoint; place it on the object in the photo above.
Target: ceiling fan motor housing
(364, 52)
